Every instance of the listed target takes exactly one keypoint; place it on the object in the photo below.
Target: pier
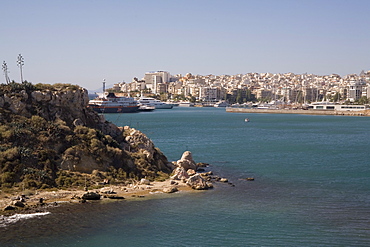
(298, 111)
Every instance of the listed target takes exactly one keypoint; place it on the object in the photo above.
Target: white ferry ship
(110, 103)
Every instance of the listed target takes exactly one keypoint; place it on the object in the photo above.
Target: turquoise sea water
(311, 188)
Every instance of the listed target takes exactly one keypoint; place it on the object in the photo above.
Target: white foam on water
(7, 220)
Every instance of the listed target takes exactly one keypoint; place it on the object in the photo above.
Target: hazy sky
(83, 42)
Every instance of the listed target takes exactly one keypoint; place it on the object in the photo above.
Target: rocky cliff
(47, 130)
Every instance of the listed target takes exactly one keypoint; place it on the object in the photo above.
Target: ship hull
(116, 109)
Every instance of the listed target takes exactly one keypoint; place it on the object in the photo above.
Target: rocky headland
(54, 149)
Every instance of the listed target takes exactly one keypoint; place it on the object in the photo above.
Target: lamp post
(20, 63)
(5, 69)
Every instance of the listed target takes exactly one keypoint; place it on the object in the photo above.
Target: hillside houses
(287, 87)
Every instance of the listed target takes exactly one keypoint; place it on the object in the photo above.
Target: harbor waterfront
(311, 186)
(298, 111)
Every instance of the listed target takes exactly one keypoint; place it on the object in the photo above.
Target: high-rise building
(153, 79)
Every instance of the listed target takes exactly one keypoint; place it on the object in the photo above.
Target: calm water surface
(311, 188)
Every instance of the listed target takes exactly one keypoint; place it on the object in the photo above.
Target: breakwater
(298, 111)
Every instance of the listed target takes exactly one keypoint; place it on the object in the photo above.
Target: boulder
(91, 196)
(201, 164)
(187, 161)
(171, 189)
(19, 204)
(9, 208)
(190, 172)
(197, 182)
(144, 181)
(179, 174)
(210, 185)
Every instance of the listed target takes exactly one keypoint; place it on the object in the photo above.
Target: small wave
(7, 220)
(156, 192)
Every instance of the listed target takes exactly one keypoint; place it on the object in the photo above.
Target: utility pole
(5, 69)
(20, 63)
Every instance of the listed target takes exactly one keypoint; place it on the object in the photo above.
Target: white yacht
(221, 104)
(154, 102)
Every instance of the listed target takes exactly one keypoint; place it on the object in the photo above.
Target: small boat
(246, 120)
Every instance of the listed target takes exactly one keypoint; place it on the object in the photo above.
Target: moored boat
(146, 108)
(221, 104)
(110, 103)
(154, 102)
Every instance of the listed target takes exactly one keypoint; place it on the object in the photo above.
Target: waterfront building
(310, 94)
(355, 90)
(153, 79)
(210, 94)
(263, 93)
(289, 87)
(350, 107)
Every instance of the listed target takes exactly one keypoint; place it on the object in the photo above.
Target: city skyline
(84, 42)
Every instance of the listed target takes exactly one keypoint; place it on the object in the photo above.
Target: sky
(85, 41)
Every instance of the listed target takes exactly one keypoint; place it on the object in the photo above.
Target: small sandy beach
(33, 204)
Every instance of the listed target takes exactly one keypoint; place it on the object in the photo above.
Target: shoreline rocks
(181, 180)
(197, 182)
(186, 171)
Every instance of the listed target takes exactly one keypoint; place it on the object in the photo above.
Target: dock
(298, 111)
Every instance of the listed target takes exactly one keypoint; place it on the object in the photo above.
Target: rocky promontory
(51, 140)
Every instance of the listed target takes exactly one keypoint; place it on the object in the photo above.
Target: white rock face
(187, 161)
(86, 164)
(179, 174)
(141, 142)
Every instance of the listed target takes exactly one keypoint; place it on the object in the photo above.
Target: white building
(152, 79)
(355, 90)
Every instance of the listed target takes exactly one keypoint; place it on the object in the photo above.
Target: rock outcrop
(180, 174)
(48, 128)
(186, 172)
(187, 161)
(197, 182)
